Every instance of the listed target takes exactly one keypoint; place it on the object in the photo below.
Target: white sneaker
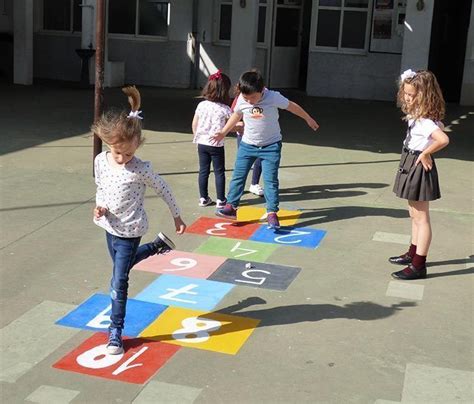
(256, 189)
(205, 201)
(220, 204)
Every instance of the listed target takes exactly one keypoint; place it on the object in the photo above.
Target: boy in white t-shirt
(258, 107)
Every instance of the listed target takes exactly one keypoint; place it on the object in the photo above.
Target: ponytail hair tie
(407, 74)
(135, 114)
(216, 76)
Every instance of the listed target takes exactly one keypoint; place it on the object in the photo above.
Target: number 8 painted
(198, 326)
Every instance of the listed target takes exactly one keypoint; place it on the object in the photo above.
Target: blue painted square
(186, 292)
(94, 314)
(297, 237)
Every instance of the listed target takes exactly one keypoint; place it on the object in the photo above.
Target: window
(62, 15)
(341, 25)
(139, 17)
(224, 21)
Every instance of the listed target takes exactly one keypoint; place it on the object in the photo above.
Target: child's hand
(312, 123)
(99, 211)
(179, 225)
(217, 137)
(425, 160)
(239, 127)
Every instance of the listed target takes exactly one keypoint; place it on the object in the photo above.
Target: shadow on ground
(51, 110)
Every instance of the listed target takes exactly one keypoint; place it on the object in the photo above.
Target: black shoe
(409, 273)
(163, 244)
(404, 259)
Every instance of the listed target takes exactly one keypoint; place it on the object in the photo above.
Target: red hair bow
(215, 76)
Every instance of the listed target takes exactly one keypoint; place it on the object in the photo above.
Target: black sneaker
(410, 273)
(163, 244)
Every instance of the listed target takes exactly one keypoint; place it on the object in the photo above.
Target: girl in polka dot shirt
(121, 180)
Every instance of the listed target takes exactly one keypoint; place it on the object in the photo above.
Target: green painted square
(238, 249)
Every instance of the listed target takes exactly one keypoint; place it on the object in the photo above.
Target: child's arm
(294, 108)
(100, 209)
(195, 123)
(228, 127)
(440, 141)
(163, 190)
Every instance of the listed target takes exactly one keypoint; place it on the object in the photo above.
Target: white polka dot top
(122, 192)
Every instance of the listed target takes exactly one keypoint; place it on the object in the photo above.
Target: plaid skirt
(413, 182)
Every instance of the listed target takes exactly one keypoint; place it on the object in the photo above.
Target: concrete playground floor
(343, 331)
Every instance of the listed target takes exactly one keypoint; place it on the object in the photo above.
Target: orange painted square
(144, 358)
(223, 228)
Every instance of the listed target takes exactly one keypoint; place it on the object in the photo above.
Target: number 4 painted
(247, 250)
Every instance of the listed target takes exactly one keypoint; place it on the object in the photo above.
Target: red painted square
(182, 264)
(140, 361)
(223, 228)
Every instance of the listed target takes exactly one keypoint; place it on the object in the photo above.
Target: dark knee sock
(419, 261)
(412, 250)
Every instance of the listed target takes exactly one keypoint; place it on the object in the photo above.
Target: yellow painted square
(251, 214)
(200, 329)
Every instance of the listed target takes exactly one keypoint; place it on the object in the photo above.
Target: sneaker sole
(167, 241)
(226, 216)
(114, 350)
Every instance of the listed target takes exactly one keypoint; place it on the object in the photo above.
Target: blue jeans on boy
(246, 155)
(125, 253)
(257, 166)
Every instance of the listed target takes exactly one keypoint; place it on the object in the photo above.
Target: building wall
(6, 40)
(371, 77)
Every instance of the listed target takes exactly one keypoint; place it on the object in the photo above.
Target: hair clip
(135, 114)
(407, 74)
(216, 76)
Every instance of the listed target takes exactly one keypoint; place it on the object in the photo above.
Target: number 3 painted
(218, 227)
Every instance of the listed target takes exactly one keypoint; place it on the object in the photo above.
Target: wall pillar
(23, 42)
(417, 36)
(467, 89)
(243, 47)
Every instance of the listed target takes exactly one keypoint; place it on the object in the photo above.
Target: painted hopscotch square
(259, 275)
(140, 361)
(181, 263)
(222, 228)
(255, 215)
(202, 330)
(237, 249)
(94, 314)
(181, 291)
(297, 237)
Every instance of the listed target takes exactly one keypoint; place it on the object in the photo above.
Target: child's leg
(270, 156)
(257, 171)
(204, 169)
(421, 226)
(414, 227)
(218, 163)
(246, 155)
(123, 252)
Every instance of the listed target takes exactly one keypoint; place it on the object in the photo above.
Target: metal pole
(99, 69)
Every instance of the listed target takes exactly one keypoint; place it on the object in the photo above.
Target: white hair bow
(135, 114)
(407, 74)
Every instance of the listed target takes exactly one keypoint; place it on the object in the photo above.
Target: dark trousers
(217, 156)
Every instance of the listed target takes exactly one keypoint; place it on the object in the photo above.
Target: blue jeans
(257, 166)
(125, 253)
(246, 155)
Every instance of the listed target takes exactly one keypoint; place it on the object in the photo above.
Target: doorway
(285, 45)
(448, 45)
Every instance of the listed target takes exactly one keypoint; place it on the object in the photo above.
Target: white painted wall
(417, 36)
(467, 89)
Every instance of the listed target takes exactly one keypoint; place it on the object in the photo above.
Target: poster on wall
(388, 26)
